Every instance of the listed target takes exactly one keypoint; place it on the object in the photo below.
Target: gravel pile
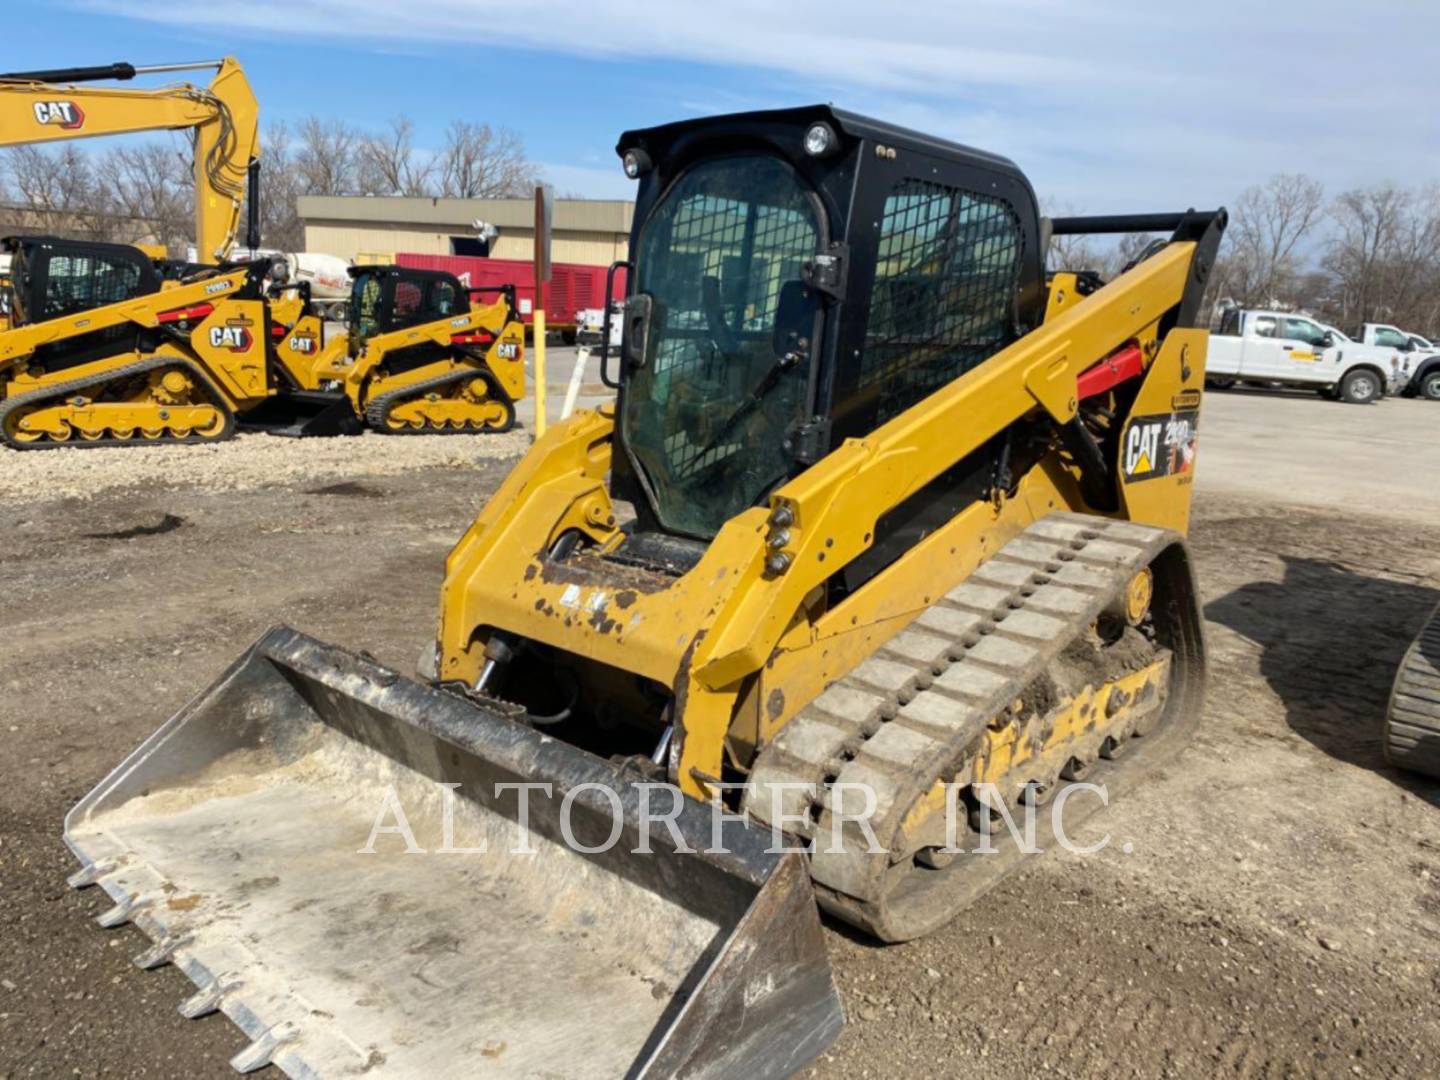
(251, 460)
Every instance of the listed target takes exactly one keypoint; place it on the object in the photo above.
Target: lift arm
(48, 106)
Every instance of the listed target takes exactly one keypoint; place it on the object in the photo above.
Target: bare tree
(56, 191)
(389, 164)
(480, 162)
(1268, 224)
(1368, 223)
(327, 157)
(153, 184)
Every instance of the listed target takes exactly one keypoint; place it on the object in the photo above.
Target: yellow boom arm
(41, 107)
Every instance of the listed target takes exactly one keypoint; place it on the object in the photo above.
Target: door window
(707, 410)
(1303, 330)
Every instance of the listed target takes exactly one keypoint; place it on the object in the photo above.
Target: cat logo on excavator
(63, 114)
(303, 344)
(234, 336)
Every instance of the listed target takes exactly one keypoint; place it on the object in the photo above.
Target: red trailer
(573, 286)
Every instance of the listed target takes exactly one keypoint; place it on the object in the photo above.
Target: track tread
(9, 405)
(923, 700)
(379, 408)
(1412, 721)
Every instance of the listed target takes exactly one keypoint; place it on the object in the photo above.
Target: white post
(577, 377)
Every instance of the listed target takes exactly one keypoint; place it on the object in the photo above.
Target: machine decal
(1156, 446)
(233, 336)
(507, 350)
(303, 344)
(65, 115)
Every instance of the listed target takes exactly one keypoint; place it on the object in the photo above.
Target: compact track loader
(103, 352)
(883, 537)
(417, 358)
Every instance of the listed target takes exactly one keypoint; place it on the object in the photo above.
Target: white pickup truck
(1422, 358)
(1277, 347)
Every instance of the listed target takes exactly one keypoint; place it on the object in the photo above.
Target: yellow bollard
(538, 330)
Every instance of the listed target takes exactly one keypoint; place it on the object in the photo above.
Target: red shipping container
(573, 286)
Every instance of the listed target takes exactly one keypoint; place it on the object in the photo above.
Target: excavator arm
(50, 106)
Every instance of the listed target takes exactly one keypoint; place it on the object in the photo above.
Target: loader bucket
(241, 837)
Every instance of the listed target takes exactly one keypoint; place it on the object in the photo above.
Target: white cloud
(1108, 105)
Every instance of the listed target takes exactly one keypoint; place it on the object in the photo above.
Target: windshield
(706, 414)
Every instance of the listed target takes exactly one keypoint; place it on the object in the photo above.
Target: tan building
(594, 232)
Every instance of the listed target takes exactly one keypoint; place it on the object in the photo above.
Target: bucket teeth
(260, 1052)
(160, 953)
(123, 911)
(91, 873)
(207, 999)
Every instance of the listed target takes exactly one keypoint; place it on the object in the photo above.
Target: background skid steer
(879, 505)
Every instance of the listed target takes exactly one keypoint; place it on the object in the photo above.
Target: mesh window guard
(80, 282)
(944, 293)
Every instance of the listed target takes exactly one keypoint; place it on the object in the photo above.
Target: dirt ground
(1269, 906)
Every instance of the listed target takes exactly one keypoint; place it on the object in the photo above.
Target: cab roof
(656, 140)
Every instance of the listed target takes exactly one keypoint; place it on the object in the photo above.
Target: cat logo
(1142, 447)
(233, 336)
(304, 344)
(508, 350)
(1156, 446)
(65, 115)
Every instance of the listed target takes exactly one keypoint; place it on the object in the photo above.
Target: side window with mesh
(943, 300)
(78, 282)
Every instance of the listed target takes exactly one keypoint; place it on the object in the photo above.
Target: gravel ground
(1277, 912)
(250, 460)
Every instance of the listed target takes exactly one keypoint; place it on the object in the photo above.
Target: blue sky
(1109, 105)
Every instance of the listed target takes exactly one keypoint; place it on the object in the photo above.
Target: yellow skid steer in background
(418, 357)
(882, 538)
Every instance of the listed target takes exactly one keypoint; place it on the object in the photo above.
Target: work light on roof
(637, 163)
(820, 140)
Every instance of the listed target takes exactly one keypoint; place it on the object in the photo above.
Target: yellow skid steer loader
(882, 539)
(418, 357)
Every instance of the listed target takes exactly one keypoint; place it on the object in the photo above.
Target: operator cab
(51, 278)
(384, 299)
(800, 277)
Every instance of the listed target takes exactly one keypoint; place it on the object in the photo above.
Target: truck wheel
(1360, 387)
(1430, 385)
(1218, 382)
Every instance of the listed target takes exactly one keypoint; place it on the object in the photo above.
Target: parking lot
(1270, 905)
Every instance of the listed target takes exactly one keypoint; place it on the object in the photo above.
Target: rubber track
(918, 709)
(1412, 721)
(99, 379)
(377, 410)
